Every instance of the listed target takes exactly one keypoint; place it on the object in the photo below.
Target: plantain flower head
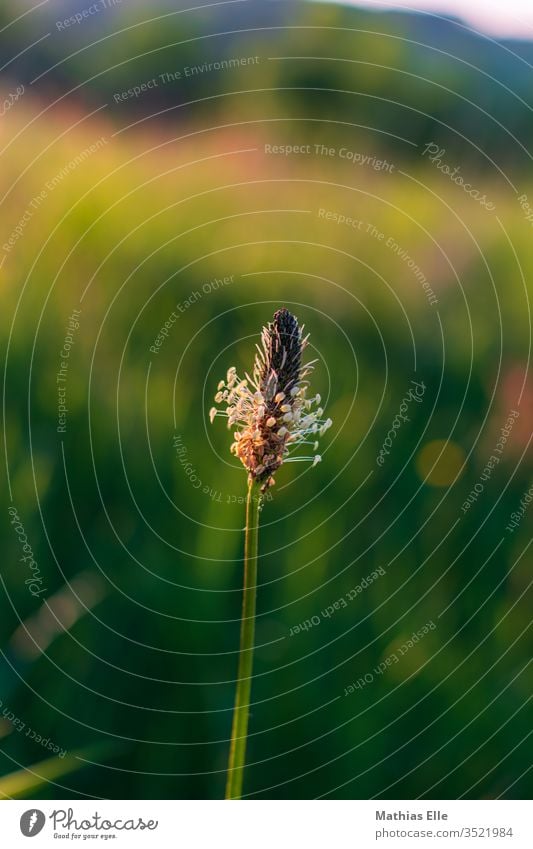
(271, 413)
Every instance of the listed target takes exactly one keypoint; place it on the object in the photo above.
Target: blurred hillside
(410, 75)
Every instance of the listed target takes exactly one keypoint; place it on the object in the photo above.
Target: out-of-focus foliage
(410, 75)
(147, 223)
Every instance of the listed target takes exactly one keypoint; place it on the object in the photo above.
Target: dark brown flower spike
(271, 412)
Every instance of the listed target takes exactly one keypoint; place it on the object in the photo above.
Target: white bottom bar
(268, 824)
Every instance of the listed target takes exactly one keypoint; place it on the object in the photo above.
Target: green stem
(239, 731)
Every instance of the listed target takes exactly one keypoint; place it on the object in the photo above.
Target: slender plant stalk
(239, 731)
(272, 417)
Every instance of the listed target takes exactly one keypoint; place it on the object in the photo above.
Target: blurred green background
(132, 643)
